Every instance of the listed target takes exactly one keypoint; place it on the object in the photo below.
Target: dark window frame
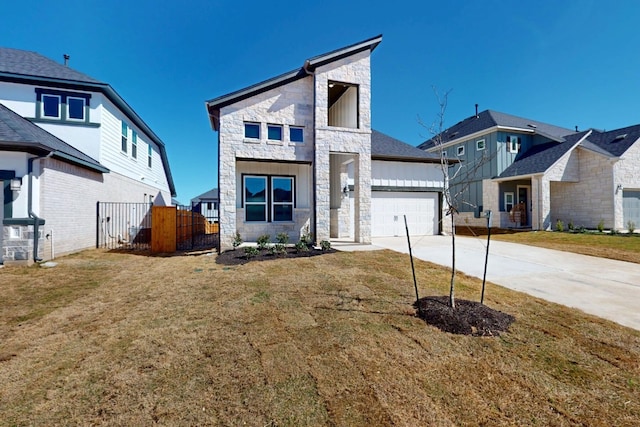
(269, 203)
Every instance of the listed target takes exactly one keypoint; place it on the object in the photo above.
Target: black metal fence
(196, 231)
(123, 225)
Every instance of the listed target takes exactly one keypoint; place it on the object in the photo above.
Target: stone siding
(588, 201)
(626, 175)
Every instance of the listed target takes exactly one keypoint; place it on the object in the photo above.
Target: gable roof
(20, 66)
(489, 119)
(19, 134)
(208, 195)
(617, 141)
(541, 157)
(214, 105)
(384, 147)
(14, 61)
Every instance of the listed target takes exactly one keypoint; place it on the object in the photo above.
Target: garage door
(631, 206)
(388, 210)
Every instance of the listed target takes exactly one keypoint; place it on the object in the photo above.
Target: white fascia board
(570, 150)
(517, 177)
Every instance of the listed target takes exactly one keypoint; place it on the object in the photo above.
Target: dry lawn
(121, 339)
(623, 247)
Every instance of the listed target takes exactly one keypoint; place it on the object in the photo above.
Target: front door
(524, 196)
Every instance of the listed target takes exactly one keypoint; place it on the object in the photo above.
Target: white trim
(84, 107)
(513, 198)
(244, 131)
(289, 136)
(42, 114)
(460, 150)
(275, 126)
(484, 144)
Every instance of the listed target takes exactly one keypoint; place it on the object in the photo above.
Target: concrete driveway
(603, 287)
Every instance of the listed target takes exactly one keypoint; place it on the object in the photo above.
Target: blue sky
(569, 63)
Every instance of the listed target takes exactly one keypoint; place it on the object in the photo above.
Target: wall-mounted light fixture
(16, 184)
(619, 188)
(345, 190)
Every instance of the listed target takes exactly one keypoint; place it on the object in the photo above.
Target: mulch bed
(238, 256)
(468, 318)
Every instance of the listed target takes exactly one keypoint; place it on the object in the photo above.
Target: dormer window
(51, 106)
(343, 105)
(63, 106)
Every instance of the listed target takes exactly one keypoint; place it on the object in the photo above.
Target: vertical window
(480, 145)
(274, 132)
(208, 206)
(134, 144)
(508, 201)
(51, 106)
(296, 134)
(252, 130)
(282, 198)
(343, 105)
(125, 134)
(149, 155)
(255, 198)
(513, 143)
(75, 108)
(460, 150)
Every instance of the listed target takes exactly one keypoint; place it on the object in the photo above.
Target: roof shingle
(14, 61)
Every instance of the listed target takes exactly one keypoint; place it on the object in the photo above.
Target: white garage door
(388, 210)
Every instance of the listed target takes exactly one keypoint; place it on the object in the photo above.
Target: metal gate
(196, 231)
(123, 225)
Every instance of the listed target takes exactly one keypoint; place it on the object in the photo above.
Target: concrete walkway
(603, 287)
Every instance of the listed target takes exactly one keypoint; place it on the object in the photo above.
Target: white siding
(402, 174)
(113, 158)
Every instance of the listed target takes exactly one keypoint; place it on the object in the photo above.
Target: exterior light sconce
(16, 184)
(345, 190)
(619, 188)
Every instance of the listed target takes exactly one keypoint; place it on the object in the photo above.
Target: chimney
(476, 111)
(66, 60)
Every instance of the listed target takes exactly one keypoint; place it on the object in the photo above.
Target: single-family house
(206, 204)
(532, 174)
(67, 141)
(297, 155)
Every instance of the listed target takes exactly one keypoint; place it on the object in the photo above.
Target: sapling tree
(457, 175)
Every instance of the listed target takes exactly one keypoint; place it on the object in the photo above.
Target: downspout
(313, 161)
(32, 215)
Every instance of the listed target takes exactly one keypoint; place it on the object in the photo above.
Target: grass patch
(131, 340)
(622, 247)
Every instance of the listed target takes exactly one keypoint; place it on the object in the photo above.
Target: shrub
(613, 232)
(237, 240)
(262, 241)
(600, 226)
(280, 248)
(570, 225)
(559, 225)
(250, 251)
(306, 237)
(325, 245)
(282, 238)
(631, 226)
(302, 246)
(581, 229)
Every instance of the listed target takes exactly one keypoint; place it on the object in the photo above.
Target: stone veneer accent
(294, 104)
(587, 201)
(354, 69)
(20, 250)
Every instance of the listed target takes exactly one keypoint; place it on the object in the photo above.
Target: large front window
(282, 198)
(255, 198)
(268, 199)
(61, 105)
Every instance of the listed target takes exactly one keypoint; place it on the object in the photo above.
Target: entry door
(524, 196)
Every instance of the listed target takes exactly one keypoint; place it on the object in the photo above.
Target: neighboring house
(296, 149)
(533, 174)
(68, 141)
(206, 204)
